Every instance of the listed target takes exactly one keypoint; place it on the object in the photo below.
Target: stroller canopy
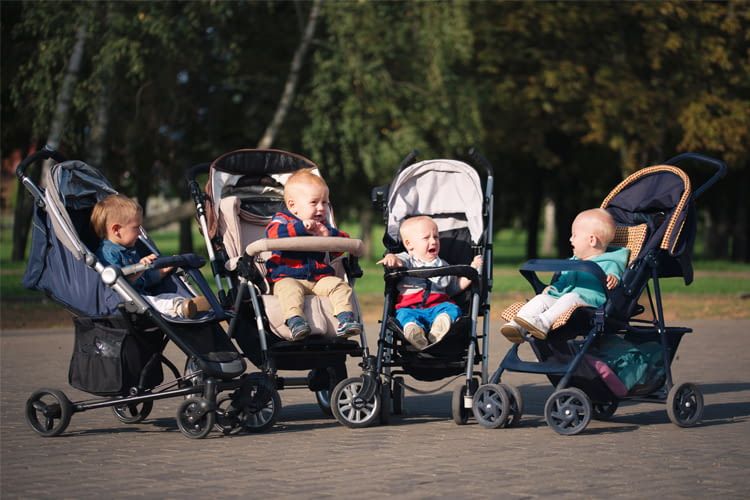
(448, 190)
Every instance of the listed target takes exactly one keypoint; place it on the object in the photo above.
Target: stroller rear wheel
(459, 411)
(48, 412)
(604, 411)
(685, 404)
(398, 396)
(195, 418)
(350, 408)
(491, 406)
(515, 405)
(568, 411)
(132, 413)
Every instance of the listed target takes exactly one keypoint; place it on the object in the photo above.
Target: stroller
(451, 193)
(243, 192)
(119, 336)
(621, 356)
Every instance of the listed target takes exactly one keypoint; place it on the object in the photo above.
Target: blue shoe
(348, 326)
(299, 327)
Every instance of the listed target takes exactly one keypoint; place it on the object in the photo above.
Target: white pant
(547, 308)
(166, 303)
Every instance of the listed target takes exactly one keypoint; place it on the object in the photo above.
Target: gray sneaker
(415, 335)
(348, 325)
(439, 328)
(299, 327)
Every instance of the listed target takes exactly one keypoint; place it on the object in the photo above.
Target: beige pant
(291, 293)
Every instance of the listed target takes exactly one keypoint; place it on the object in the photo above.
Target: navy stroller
(119, 336)
(596, 357)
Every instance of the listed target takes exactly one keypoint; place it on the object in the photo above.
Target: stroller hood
(448, 189)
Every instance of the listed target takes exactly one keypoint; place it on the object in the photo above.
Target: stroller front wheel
(350, 408)
(133, 413)
(568, 411)
(491, 406)
(195, 418)
(685, 404)
(48, 412)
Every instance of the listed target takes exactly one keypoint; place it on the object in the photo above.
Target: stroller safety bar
(307, 244)
(186, 261)
(528, 270)
(395, 273)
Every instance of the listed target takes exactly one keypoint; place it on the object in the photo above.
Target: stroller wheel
(491, 406)
(515, 405)
(132, 413)
(458, 410)
(398, 396)
(195, 418)
(324, 401)
(48, 412)
(350, 408)
(262, 410)
(568, 411)
(227, 420)
(385, 404)
(685, 404)
(603, 411)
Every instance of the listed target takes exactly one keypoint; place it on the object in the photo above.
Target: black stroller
(452, 193)
(119, 336)
(621, 356)
(243, 192)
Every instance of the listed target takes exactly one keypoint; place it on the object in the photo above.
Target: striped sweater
(310, 266)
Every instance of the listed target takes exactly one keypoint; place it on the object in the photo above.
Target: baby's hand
(390, 260)
(315, 228)
(477, 262)
(612, 281)
(147, 260)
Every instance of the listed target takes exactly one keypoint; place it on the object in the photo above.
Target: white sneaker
(534, 326)
(513, 332)
(440, 327)
(415, 335)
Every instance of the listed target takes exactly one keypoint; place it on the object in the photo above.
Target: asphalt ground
(424, 454)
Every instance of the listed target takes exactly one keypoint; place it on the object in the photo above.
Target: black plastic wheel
(324, 401)
(48, 412)
(261, 405)
(132, 413)
(350, 409)
(685, 404)
(491, 406)
(385, 404)
(515, 405)
(568, 411)
(603, 411)
(458, 411)
(227, 420)
(195, 418)
(398, 396)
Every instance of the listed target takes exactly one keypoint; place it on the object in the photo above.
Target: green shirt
(586, 285)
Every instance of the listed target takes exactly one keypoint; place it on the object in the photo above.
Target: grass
(716, 291)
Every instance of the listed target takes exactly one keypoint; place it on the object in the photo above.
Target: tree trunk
(533, 213)
(740, 243)
(548, 239)
(365, 225)
(24, 206)
(98, 137)
(291, 83)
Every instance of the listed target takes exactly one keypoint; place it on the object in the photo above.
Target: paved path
(422, 455)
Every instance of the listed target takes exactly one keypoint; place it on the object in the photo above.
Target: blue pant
(425, 317)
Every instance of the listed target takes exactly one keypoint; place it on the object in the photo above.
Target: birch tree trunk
(24, 207)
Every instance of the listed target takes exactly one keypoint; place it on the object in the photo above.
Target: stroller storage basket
(108, 359)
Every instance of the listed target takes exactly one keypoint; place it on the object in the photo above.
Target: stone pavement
(639, 453)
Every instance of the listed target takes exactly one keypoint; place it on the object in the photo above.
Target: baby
(591, 233)
(117, 220)
(420, 309)
(296, 274)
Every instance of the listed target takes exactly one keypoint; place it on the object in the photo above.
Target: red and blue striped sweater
(309, 266)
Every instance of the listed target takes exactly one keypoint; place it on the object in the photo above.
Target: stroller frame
(48, 411)
(569, 409)
(243, 280)
(379, 391)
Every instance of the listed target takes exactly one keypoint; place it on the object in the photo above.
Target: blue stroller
(119, 336)
(597, 357)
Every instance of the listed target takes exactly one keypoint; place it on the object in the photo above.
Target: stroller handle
(479, 158)
(720, 166)
(196, 170)
(528, 270)
(43, 154)
(307, 244)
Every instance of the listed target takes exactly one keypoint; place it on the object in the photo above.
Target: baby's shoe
(512, 331)
(415, 335)
(348, 326)
(299, 327)
(186, 309)
(440, 327)
(534, 326)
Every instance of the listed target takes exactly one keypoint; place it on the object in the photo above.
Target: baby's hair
(303, 176)
(407, 224)
(112, 209)
(602, 224)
